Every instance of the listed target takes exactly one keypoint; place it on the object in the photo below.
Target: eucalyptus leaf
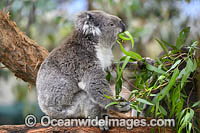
(190, 127)
(132, 54)
(182, 37)
(123, 66)
(188, 70)
(122, 36)
(131, 38)
(196, 104)
(118, 86)
(174, 65)
(168, 44)
(112, 103)
(163, 46)
(163, 111)
(154, 69)
(144, 101)
(106, 96)
(172, 81)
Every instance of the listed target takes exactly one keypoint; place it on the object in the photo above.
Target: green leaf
(194, 65)
(125, 62)
(180, 115)
(190, 127)
(132, 54)
(153, 95)
(174, 65)
(135, 107)
(112, 103)
(122, 36)
(188, 70)
(163, 111)
(135, 55)
(123, 66)
(118, 69)
(196, 104)
(172, 81)
(144, 101)
(108, 76)
(163, 46)
(181, 74)
(182, 37)
(188, 116)
(118, 87)
(191, 114)
(168, 44)
(154, 69)
(131, 38)
(132, 93)
(161, 77)
(193, 46)
(157, 107)
(106, 96)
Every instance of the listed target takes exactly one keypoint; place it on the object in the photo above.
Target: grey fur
(71, 81)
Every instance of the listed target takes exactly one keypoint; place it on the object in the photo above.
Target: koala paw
(123, 107)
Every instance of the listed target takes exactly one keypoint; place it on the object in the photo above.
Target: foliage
(162, 86)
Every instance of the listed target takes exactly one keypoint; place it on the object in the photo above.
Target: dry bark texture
(19, 53)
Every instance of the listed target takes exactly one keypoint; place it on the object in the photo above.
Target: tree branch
(19, 53)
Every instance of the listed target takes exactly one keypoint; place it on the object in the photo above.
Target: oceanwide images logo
(46, 121)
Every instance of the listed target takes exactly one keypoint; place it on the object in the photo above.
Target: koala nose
(123, 26)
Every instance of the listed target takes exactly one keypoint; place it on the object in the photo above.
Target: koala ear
(89, 26)
(89, 16)
(92, 20)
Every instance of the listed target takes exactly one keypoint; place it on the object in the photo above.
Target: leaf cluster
(162, 86)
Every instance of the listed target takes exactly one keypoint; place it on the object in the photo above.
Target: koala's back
(72, 58)
(59, 75)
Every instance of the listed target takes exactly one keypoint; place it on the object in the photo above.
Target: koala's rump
(55, 88)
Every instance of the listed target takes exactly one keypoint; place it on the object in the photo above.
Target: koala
(71, 81)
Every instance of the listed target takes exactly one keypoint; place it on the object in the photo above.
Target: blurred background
(50, 22)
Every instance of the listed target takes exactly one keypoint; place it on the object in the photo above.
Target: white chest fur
(105, 56)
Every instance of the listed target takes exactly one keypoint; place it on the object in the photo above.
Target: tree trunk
(19, 53)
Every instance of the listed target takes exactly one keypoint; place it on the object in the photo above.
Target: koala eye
(111, 24)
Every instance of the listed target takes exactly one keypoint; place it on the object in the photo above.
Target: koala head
(100, 24)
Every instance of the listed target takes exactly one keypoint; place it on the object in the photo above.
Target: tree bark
(19, 53)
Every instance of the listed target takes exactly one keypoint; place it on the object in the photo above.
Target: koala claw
(124, 107)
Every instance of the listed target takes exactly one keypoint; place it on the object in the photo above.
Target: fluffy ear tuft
(89, 16)
(85, 23)
(89, 28)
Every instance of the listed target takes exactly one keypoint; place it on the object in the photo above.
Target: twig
(128, 82)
